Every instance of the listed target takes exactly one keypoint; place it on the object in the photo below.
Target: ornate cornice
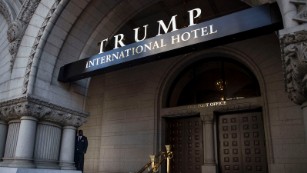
(44, 111)
(294, 58)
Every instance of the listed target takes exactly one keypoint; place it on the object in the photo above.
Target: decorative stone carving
(14, 31)
(17, 28)
(294, 57)
(301, 10)
(35, 45)
(14, 34)
(27, 11)
(5, 11)
(28, 106)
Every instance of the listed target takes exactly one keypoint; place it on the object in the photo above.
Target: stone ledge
(43, 111)
(27, 170)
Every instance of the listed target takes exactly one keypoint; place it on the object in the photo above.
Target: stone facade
(37, 132)
(121, 112)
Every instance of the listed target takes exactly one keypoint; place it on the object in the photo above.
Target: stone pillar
(25, 144)
(208, 135)
(47, 145)
(293, 48)
(11, 142)
(3, 131)
(68, 148)
(33, 146)
(304, 108)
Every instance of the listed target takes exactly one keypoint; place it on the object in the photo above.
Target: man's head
(80, 132)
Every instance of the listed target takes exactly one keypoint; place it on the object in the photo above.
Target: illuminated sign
(150, 46)
(205, 105)
(240, 25)
(194, 13)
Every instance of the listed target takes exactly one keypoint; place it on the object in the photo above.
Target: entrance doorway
(185, 135)
(241, 143)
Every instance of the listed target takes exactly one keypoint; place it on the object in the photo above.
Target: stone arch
(223, 51)
(24, 35)
(4, 59)
(8, 11)
(70, 43)
(266, 73)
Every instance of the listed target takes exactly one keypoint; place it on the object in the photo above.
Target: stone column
(47, 145)
(304, 108)
(293, 46)
(68, 148)
(208, 135)
(33, 144)
(25, 143)
(11, 142)
(3, 131)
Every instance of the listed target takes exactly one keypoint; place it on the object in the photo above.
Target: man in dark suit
(81, 144)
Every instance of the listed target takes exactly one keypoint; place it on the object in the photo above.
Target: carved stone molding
(36, 44)
(207, 117)
(206, 111)
(43, 111)
(178, 113)
(14, 35)
(5, 11)
(18, 27)
(294, 58)
(27, 11)
(238, 107)
(301, 10)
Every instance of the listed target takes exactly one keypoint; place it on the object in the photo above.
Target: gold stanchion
(169, 156)
(161, 157)
(154, 165)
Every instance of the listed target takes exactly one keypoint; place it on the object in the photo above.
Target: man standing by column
(80, 149)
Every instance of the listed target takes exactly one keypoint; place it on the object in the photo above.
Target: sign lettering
(236, 26)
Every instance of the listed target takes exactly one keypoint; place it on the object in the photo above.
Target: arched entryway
(204, 123)
(123, 115)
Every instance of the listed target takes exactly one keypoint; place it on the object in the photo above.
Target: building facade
(237, 106)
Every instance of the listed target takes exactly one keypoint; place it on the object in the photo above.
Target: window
(214, 79)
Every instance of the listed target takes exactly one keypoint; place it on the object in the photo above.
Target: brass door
(185, 136)
(241, 143)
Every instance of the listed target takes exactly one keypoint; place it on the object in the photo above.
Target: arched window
(214, 79)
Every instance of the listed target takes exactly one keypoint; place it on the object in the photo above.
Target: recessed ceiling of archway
(165, 9)
(104, 19)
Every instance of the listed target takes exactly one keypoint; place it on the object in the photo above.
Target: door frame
(200, 109)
